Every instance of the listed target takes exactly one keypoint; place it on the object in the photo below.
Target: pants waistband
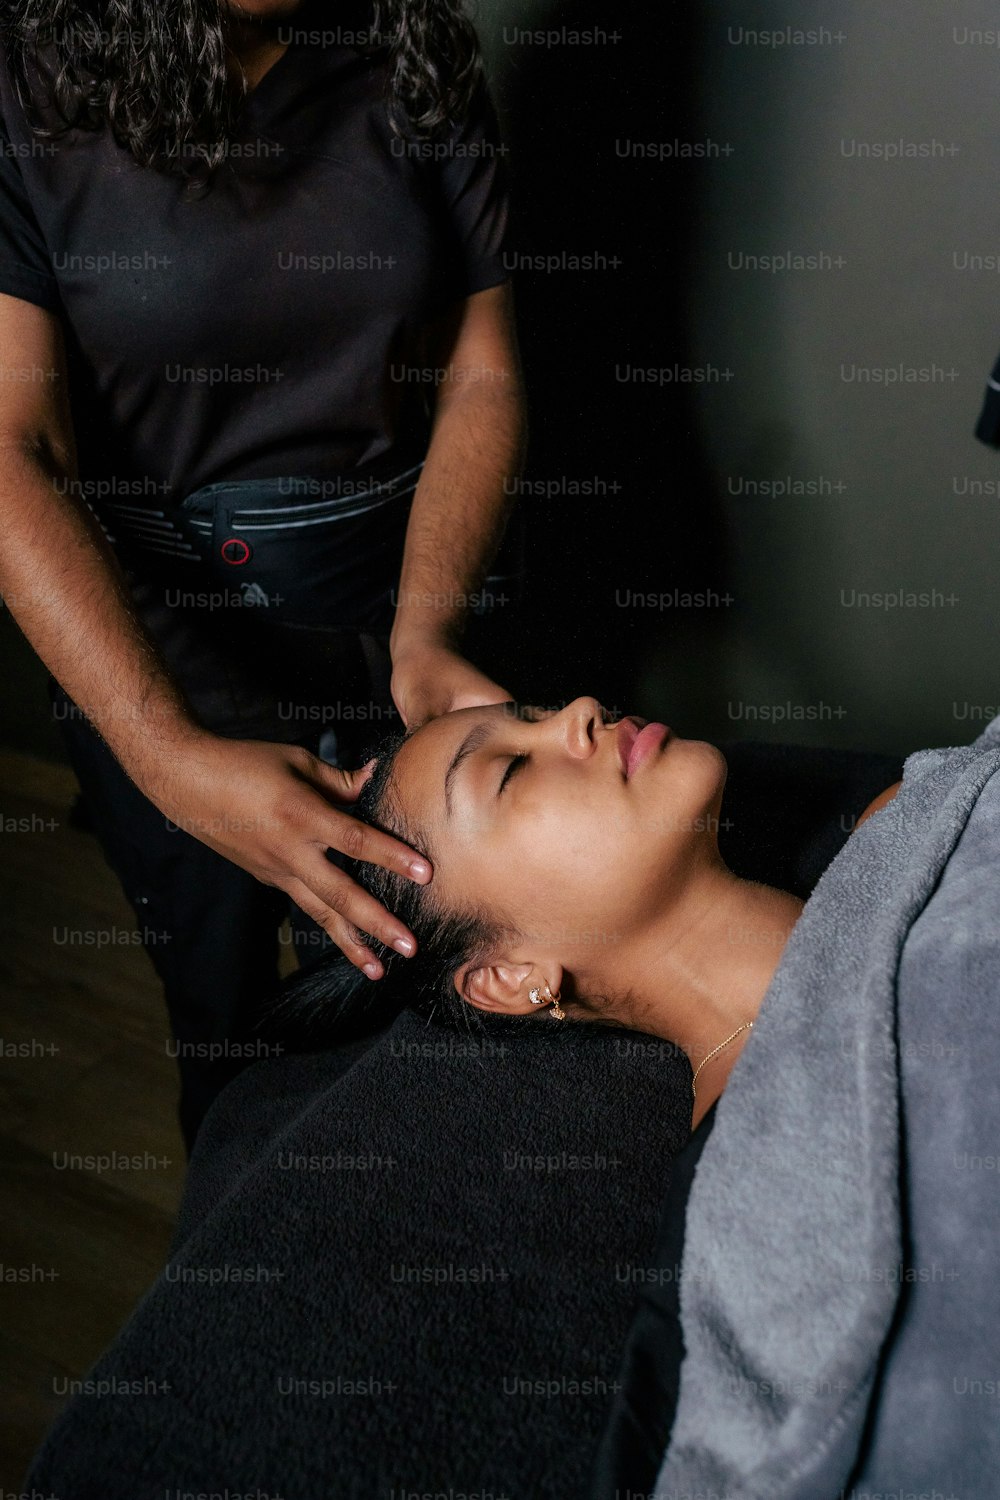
(283, 508)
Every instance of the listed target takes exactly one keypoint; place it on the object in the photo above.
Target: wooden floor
(84, 1070)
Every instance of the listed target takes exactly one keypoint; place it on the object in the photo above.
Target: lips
(627, 732)
(648, 741)
(637, 740)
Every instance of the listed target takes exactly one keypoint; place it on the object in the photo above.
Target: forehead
(423, 758)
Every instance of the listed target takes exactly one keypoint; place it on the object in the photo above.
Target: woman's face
(540, 821)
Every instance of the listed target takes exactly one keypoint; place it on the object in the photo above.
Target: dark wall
(651, 523)
(830, 484)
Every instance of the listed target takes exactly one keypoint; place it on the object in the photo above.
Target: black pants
(288, 644)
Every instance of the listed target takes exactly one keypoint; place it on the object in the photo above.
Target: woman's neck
(254, 46)
(705, 967)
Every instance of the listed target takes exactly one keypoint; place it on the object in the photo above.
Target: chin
(687, 787)
(695, 759)
(712, 759)
(263, 10)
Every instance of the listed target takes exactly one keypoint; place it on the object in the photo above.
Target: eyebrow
(477, 736)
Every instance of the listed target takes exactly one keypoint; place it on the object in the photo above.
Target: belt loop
(232, 554)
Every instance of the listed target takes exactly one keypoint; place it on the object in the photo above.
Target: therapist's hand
(430, 677)
(273, 810)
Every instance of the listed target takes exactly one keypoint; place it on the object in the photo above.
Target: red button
(235, 551)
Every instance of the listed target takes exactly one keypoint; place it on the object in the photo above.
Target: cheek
(540, 867)
(483, 872)
(612, 862)
(566, 858)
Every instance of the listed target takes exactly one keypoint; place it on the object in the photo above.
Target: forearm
(461, 506)
(65, 588)
(67, 592)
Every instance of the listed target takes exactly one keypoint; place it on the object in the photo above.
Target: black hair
(158, 74)
(330, 1000)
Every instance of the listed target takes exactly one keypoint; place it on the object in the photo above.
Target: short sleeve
(25, 262)
(475, 189)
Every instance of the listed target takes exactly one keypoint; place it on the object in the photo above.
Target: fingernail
(403, 945)
(372, 969)
(419, 870)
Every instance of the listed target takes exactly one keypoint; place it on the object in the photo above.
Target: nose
(575, 726)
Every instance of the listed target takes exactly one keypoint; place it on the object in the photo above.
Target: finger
(345, 785)
(340, 931)
(402, 707)
(360, 841)
(333, 829)
(342, 831)
(417, 716)
(340, 894)
(485, 695)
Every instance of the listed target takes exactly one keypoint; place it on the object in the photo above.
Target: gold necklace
(747, 1026)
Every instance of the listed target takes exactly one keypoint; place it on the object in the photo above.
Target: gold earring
(534, 996)
(557, 1013)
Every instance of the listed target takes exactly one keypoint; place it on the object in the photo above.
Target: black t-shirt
(267, 328)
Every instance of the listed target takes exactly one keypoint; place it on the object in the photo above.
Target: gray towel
(814, 1352)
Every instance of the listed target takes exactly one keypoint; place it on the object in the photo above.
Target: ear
(505, 987)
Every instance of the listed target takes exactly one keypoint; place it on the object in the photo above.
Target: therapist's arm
(269, 808)
(461, 505)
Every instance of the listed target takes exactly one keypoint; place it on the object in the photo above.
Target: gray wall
(890, 460)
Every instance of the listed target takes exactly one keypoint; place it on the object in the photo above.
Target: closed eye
(513, 766)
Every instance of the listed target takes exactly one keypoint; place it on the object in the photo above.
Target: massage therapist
(251, 265)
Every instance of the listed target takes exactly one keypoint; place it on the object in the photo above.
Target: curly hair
(160, 77)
